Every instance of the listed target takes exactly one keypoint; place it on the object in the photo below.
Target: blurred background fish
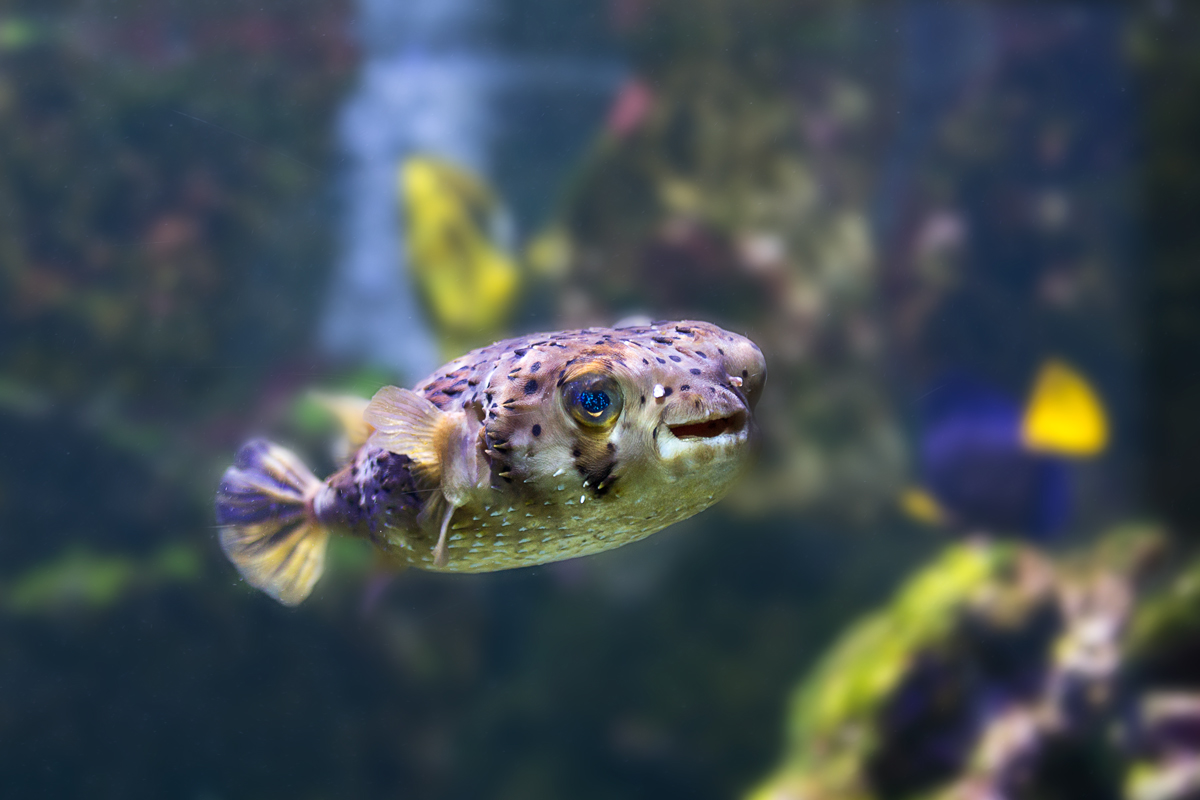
(458, 240)
(992, 463)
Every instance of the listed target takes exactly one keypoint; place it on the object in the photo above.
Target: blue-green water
(201, 222)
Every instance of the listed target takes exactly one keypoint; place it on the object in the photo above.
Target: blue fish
(989, 462)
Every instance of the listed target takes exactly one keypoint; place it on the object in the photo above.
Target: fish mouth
(710, 428)
(694, 432)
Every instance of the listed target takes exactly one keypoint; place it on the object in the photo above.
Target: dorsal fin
(348, 410)
(408, 424)
(1064, 415)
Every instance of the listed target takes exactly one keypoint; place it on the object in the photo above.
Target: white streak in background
(402, 105)
(413, 96)
(427, 86)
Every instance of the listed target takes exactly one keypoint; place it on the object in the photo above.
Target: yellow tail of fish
(1064, 415)
(268, 531)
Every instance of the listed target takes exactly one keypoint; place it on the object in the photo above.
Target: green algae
(80, 579)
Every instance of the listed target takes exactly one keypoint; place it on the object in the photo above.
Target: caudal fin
(267, 527)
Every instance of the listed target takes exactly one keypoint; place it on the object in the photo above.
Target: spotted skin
(558, 488)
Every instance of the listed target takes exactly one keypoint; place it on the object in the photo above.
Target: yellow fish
(531, 450)
(466, 279)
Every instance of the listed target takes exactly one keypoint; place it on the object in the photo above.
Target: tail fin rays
(268, 529)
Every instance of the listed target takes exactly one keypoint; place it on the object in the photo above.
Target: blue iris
(594, 402)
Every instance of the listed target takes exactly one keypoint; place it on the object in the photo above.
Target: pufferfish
(532, 450)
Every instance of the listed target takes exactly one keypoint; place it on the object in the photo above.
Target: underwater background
(963, 234)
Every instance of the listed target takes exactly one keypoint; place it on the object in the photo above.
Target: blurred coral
(999, 671)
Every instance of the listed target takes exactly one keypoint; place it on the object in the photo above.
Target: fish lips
(721, 424)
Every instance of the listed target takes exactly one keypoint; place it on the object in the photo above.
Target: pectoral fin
(444, 447)
(408, 424)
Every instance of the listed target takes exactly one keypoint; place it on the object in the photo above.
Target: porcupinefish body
(531, 450)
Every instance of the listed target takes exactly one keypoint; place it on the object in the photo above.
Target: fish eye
(593, 399)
